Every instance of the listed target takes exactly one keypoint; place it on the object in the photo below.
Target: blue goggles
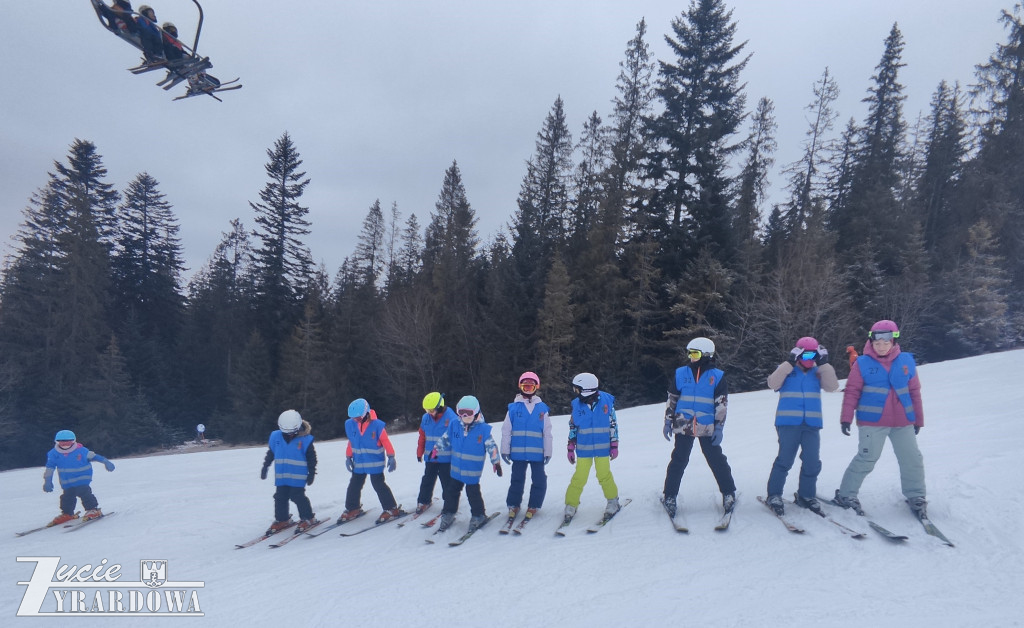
(808, 355)
(883, 335)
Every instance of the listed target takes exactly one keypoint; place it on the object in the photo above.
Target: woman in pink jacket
(884, 392)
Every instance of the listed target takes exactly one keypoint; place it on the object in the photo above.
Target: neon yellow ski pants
(579, 479)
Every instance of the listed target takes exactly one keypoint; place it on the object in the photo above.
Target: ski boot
(92, 513)
(349, 515)
(810, 503)
(447, 519)
(728, 502)
(476, 521)
(919, 506)
(62, 518)
(612, 507)
(388, 515)
(848, 502)
(277, 526)
(776, 504)
(421, 508)
(670, 506)
(306, 524)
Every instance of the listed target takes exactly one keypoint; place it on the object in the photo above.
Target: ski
(522, 524)
(931, 529)
(288, 539)
(848, 531)
(263, 537)
(49, 525)
(723, 523)
(322, 531)
(377, 524)
(675, 524)
(416, 514)
(786, 522)
(71, 527)
(565, 524)
(606, 518)
(892, 536)
(462, 539)
(511, 521)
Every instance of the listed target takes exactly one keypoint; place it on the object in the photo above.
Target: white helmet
(585, 384)
(289, 422)
(702, 344)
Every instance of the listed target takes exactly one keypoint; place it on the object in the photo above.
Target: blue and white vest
(290, 467)
(469, 451)
(878, 383)
(697, 399)
(593, 426)
(527, 431)
(367, 452)
(74, 467)
(434, 430)
(800, 399)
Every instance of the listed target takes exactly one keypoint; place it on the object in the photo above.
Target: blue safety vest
(468, 450)
(74, 467)
(290, 467)
(527, 431)
(878, 383)
(433, 430)
(697, 399)
(593, 426)
(800, 399)
(367, 451)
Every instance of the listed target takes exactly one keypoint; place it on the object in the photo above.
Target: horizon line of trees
(645, 230)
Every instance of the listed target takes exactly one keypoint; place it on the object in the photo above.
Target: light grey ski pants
(871, 440)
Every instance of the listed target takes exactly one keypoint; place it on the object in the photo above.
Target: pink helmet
(529, 375)
(807, 343)
(885, 325)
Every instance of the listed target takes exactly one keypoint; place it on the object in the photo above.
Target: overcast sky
(381, 96)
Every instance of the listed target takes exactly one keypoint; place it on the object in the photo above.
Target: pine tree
(555, 335)
(981, 322)
(370, 256)
(753, 179)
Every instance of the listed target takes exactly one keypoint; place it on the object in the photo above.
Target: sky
(381, 97)
(191, 509)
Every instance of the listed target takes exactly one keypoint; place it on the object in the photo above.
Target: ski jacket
(431, 430)
(469, 446)
(73, 467)
(291, 455)
(526, 432)
(883, 391)
(593, 427)
(368, 443)
(700, 391)
(800, 393)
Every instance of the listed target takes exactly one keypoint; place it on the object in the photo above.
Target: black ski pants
(296, 494)
(355, 490)
(681, 457)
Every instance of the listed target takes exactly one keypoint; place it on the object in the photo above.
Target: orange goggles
(528, 386)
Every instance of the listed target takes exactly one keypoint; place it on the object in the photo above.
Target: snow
(192, 508)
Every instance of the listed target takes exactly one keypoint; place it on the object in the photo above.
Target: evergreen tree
(370, 256)
(555, 336)
(943, 165)
(980, 322)
(753, 179)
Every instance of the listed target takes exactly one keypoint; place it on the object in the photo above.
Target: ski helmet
(64, 435)
(809, 347)
(433, 402)
(358, 408)
(703, 345)
(884, 330)
(468, 408)
(585, 384)
(529, 382)
(289, 422)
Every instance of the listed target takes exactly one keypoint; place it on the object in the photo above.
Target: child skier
(594, 437)
(799, 382)
(434, 423)
(368, 443)
(290, 448)
(469, 441)
(73, 461)
(526, 442)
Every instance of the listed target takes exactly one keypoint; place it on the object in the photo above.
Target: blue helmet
(358, 408)
(65, 435)
(469, 402)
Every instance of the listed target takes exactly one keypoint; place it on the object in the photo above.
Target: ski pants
(538, 485)
(871, 440)
(432, 471)
(681, 457)
(297, 494)
(791, 438)
(603, 468)
(355, 490)
(71, 495)
(453, 492)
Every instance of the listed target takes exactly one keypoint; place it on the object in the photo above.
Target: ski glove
(109, 465)
(614, 451)
(48, 485)
(917, 429)
(667, 431)
(263, 472)
(309, 478)
(822, 356)
(497, 468)
(419, 458)
(433, 455)
(392, 465)
(716, 440)
(571, 447)
(350, 463)
(547, 459)
(507, 458)
(846, 428)
(794, 355)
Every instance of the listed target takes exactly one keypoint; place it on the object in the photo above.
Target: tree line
(646, 229)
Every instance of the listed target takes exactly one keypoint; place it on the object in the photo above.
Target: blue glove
(48, 485)
(716, 440)
(391, 464)
(109, 465)
(667, 431)
(547, 459)
(507, 458)
(350, 463)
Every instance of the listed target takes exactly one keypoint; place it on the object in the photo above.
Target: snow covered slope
(191, 509)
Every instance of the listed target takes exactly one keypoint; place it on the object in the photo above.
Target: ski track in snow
(191, 509)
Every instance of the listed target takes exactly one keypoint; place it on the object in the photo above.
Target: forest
(642, 230)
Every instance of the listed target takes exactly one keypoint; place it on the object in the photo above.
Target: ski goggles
(808, 355)
(695, 354)
(528, 386)
(883, 335)
(467, 412)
